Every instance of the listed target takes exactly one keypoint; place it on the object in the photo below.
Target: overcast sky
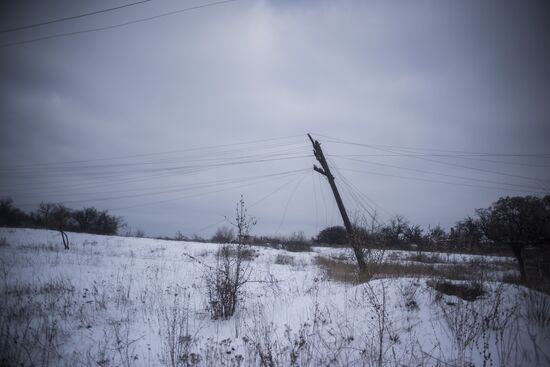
(402, 95)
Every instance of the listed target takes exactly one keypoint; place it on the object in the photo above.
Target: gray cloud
(463, 76)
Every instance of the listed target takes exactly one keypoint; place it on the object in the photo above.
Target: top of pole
(310, 138)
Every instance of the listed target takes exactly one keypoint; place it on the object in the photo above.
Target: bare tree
(518, 222)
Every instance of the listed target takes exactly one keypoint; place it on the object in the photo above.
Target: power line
(111, 171)
(538, 180)
(441, 174)
(360, 198)
(462, 152)
(251, 206)
(288, 202)
(438, 181)
(469, 157)
(140, 20)
(260, 141)
(166, 172)
(72, 17)
(265, 179)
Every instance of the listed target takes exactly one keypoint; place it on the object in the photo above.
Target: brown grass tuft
(468, 292)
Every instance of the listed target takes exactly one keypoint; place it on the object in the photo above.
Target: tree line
(509, 223)
(56, 216)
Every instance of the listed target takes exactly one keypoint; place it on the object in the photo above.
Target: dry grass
(45, 247)
(347, 272)
(422, 257)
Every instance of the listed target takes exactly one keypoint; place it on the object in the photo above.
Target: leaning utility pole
(325, 171)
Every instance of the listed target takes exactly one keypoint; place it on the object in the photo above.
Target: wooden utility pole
(325, 171)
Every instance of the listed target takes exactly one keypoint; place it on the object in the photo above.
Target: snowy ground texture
(116, 301)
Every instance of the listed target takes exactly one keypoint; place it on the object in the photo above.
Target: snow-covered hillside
(112, 301)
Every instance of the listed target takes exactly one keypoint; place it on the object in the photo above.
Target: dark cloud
(466, 76)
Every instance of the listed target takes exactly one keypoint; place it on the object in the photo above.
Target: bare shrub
(123, 344)
(380, 339)
(408, 294)
(297, 242)
(463, 323)
(367, 233)
(319, 341)
(3, 242)
(374, 258)
(224, 282)
(177, 338)
(224, 235)
(261, 339)
(500, 318)
(537, 308)
(246, 253)
(28, 342)
(284, 260)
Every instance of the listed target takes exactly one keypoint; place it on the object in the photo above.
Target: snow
(113, 298)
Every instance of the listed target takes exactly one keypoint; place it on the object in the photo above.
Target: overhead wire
(530, 155)
(214, 148)
(288, 202)
(118, 25)
(183, 188)
(437, 173)
(314, 192)
(63, 19)
(279, 188)
(196, 195)
(358, 196)
(539, 181)
(144, 173)
(438, 181)
(90, 188)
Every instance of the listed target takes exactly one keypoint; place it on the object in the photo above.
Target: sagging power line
(118, 25)
(63, 19)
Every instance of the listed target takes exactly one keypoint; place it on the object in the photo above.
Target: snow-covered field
(116, 301)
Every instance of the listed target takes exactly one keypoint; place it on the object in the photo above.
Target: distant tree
(517, 222)
(435, 236)
(106, 223)
(468, 232)
(335, 235)
(42, 216)
(224, 235)
(54, 216)
(10, 216)
(394, 233)
(180, 236)
(413, 234)
(86, 219)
